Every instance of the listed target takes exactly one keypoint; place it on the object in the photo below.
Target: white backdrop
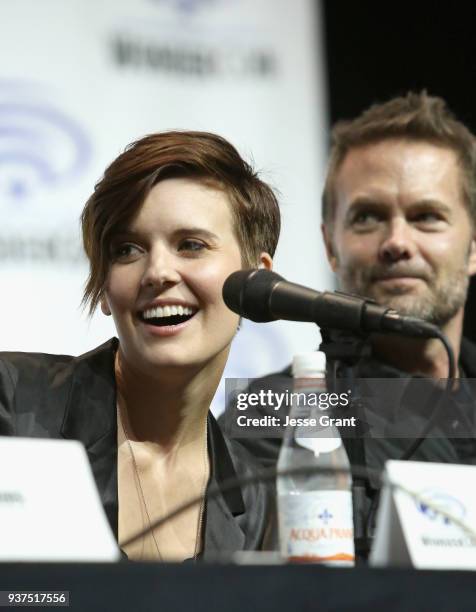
(79, 79)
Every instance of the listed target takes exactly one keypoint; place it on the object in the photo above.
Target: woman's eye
(125, 251)
(191, 245)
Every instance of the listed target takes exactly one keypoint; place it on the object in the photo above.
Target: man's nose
(161, 269)
(398, 242)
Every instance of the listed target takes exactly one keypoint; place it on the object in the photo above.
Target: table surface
(203, 587)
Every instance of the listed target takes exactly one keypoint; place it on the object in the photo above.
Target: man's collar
(467, 358)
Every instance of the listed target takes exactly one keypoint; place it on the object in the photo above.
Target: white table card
(428, 518)
(49, 505)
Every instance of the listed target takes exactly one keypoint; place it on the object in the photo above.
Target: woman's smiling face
(164, 287)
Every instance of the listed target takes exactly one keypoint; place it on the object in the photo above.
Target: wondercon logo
(439, 506)
(41, 146)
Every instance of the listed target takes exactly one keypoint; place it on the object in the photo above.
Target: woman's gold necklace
(142, 496)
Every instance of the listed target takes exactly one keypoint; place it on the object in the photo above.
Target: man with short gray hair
(399, 225)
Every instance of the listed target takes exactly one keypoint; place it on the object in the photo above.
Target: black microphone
(262, 295)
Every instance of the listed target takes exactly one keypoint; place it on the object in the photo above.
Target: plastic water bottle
(315, 509)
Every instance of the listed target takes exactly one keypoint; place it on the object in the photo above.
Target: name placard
(427, 516)
(49, 505)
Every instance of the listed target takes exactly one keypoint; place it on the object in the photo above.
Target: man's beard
(439, 302)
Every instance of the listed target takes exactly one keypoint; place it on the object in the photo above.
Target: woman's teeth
(168, 315)
(166, 311)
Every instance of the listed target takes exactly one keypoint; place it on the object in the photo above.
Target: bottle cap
(321, 445)
(309, 364)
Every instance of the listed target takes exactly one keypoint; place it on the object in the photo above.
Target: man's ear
(105, 306)
(330, 251)
(472, 257)
(265, 261)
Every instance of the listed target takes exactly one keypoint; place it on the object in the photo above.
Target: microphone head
(247, 293)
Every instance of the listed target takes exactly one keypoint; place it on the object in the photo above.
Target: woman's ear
(105, 306)
(265, 261)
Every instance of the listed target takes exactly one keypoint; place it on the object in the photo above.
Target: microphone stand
(343, 351)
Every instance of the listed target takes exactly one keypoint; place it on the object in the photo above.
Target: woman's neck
(168, 411)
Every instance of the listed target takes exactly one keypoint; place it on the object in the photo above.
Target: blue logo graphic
(41, 146)
(325, 516)
(187, 6)
(450, 505)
